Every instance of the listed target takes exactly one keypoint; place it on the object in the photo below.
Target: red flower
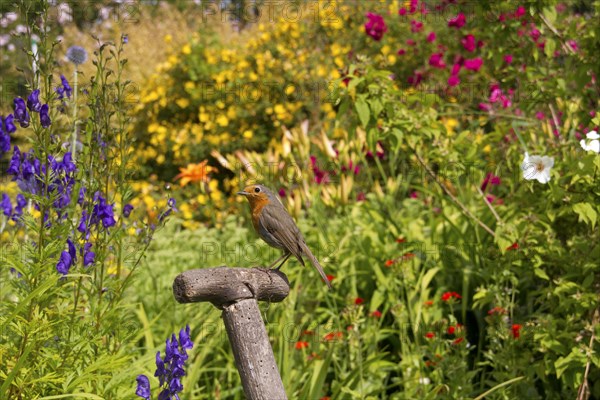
(428, 303)
(497, 311)
(376, 314)
(430, 335)
(325, 398)
(457, 341)
(389, 263)
(400, 240)
(359, 301)
(516, 328)
(431, 37)
(407, 256)
(513, 246)
(451, 330)
(330, 278)
(308, 332)
(301, 345)
(449, 295)
(333, 335)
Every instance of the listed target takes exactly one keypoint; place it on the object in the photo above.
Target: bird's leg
(285, 257)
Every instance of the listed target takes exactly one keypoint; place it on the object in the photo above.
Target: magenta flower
(453, 80)
(416, 26)
(458, 22)
(415, 79)
(469, 43)
(535, 33)
(473, 64)
(401, 52)
(508, 58)
(375, 26)
(431, 37)
(437, 60)
(573, 44)
(520, 12)
(490, 179)
(402, 11)
(540, 115)
(485, 106)
(455, 69)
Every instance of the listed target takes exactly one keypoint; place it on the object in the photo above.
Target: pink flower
(414, 194)
(535, 33)
(473, 64)
(453, 80)
(520, 12)
(508, 58)
(485, 106)
(410, 42)
(455, 69)
(540, 115)
(468, 42)
(416, 26)
(490, 179)
(361, 197)
(401, 52)
(573, 44)
(437, 60)
(458, 22)
(375, 26)
(431, 37)
(282, 193)
(415, 79)
(402, 11)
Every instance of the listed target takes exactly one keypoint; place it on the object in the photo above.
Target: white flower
(591, 143)
(536, 167)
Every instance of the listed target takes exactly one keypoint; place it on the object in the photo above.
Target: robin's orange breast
(257, 205)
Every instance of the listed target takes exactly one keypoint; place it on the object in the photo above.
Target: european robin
(276, 227)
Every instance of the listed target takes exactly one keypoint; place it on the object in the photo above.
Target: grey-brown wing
(283, 228)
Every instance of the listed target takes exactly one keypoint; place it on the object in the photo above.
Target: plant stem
(74, 138)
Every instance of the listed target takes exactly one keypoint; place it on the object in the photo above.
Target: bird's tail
(315, 263)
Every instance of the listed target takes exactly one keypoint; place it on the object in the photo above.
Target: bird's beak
(243, 193)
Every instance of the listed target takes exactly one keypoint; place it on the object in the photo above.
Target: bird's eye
(256, 190)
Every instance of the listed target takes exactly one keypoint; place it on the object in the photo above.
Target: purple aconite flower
(45, 120)
(9, 125)
(33, 101)
(65, 90)
(6, 205)
(170, 369)
(88, 255)
(21, 203)
(143, 387)
(64, 263)
(127, 210)
(21, 114)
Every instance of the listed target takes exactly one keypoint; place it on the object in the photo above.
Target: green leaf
(362, 108)
(540, 273)
(586, 213)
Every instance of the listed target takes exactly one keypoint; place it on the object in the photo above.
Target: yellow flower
(201, 199)
(487, 148)
(279, 109)
(183, 103)
(168, 38)
(222, 120)
(247, 134)
(385, 50)
(194, 173)
(187, 49)
(189, 85)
